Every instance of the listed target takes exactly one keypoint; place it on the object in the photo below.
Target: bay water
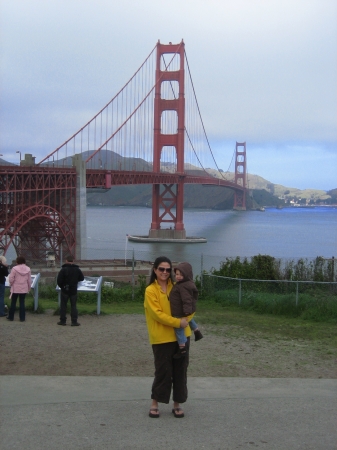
(288, 233)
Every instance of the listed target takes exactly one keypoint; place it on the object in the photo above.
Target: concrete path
(221, 413)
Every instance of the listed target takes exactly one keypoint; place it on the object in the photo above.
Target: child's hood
(186, 270)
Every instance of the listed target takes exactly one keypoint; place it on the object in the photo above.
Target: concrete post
(81, 207)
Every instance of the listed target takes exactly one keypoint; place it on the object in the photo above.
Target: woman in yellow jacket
(169, 372)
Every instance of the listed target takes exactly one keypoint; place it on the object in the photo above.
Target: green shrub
(260, 267)
(265, 267)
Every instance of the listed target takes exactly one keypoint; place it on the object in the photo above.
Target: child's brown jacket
(184, 295)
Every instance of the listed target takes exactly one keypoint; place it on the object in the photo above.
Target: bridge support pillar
(167, 233)
(81, 207)
(240, 176)
(167, 207)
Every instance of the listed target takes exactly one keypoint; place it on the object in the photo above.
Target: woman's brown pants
(169, 373)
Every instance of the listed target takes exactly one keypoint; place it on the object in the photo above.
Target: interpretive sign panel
(89, 284)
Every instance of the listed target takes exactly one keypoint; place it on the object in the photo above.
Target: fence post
(133, 274)
(239, 291)
(332, 269)
(201, 270)
(296, 293)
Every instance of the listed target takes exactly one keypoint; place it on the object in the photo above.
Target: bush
(260, 267)
(265, 267)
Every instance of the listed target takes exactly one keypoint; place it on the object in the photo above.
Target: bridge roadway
(106, 178)
(97, 178)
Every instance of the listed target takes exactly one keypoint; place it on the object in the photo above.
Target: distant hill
(6, 163)
(333, 196)
(257, 182)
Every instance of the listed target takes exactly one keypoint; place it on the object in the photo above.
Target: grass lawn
(237, 321)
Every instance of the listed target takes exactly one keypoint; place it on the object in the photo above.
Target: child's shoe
(198, 335)
(180, 353)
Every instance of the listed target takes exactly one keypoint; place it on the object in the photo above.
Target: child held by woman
(183, 299)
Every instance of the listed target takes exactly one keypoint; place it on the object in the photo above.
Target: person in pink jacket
(20, 281)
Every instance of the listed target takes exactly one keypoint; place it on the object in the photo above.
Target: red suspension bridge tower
(240, 176)
(169, 197)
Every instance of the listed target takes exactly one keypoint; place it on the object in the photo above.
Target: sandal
(175, 412)
(152, 415)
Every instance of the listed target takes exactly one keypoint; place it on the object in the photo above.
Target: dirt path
(117, 345)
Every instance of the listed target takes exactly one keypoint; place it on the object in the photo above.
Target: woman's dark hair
(158, 261)
(20, 260)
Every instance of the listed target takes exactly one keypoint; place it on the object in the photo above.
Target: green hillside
(257, 182)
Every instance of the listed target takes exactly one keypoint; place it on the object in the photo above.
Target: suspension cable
(187, 134)
(202, 122)
(130, 116)
(88, 123)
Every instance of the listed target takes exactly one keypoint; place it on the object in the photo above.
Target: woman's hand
(183, 323)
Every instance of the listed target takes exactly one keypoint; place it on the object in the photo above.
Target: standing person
(67, 279)
(20, 281)
(3, 275)
(169, 372)
(183, 299)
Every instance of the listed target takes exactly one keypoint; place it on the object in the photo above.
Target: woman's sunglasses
(164, 269)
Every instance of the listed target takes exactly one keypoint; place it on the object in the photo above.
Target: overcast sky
(264, 71)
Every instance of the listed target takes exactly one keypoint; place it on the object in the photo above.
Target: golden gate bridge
(151, 132)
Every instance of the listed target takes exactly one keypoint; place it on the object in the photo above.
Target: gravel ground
(117, 345)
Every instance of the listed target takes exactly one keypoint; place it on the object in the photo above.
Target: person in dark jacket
(67, 279)
(3, 275)
(183, 300)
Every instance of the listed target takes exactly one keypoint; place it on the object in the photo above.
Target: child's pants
(180, 332)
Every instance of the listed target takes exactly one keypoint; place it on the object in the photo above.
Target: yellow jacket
(160, 323)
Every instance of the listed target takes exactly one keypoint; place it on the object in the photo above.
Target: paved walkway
(221, 413)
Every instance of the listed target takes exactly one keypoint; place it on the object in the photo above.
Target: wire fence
(275, 296)
(248, 291)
